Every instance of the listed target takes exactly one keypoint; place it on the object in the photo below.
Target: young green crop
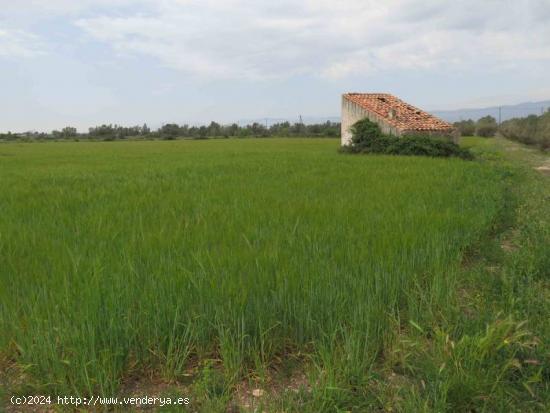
(143, 255)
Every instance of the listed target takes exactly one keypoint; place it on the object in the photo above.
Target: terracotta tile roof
(398, 113)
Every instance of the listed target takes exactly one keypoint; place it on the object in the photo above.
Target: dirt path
(538, 160)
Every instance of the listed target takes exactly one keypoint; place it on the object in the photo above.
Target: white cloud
(332, 39)
(251, 39)
(19, 44)
(60, 7)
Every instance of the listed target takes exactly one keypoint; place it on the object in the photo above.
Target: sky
(86, 62)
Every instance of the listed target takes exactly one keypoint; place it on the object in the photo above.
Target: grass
(236, 261)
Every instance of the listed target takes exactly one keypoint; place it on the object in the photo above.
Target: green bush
(486, 127)
(466, 127)
(368, 138)
(427, 146)
(364, 131)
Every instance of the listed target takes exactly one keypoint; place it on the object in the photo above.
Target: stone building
(394, 116)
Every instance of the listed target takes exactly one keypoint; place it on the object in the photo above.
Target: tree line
(174, 131)
(531, 130)
(485, 127)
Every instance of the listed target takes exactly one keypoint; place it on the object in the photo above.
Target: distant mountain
(506, 112)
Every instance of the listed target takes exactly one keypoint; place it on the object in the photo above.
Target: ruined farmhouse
(394, 116)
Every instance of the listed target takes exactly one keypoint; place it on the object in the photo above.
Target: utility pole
(499, 114)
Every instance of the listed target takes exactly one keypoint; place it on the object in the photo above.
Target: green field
(204, 265)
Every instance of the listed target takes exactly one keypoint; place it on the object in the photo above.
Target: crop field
(211, 264)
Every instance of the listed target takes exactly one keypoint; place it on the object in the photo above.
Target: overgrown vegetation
(532, 130)
(368, 138)
(172, 131)
(357, 283)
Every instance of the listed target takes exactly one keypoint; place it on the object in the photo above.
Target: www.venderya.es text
(42, 400)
